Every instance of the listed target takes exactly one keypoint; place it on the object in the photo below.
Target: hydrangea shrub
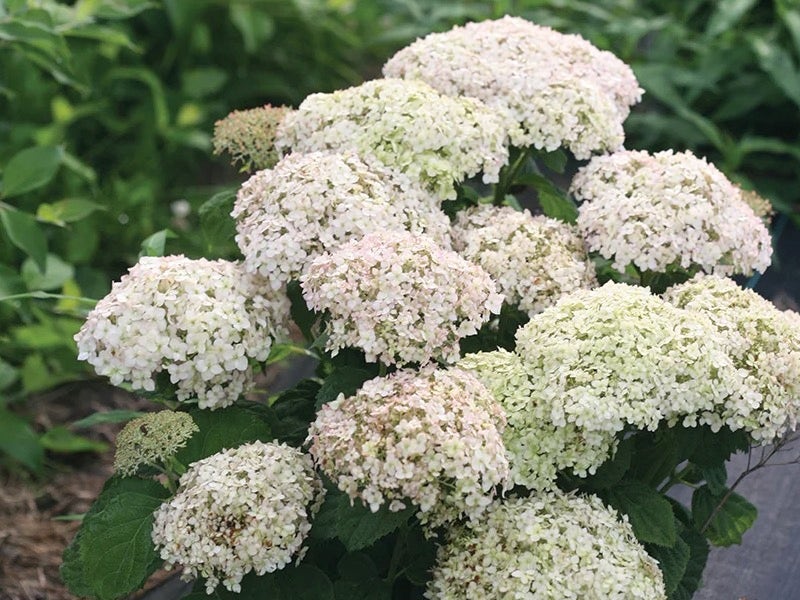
(502, 396)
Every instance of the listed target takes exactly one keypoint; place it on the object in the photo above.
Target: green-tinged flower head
(760, 205)
(248, 136)
(536, 447)
(764, 343)
(618, 355)
(151, 439)
(550, 545)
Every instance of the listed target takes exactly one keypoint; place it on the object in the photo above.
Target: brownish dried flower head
(248, 136)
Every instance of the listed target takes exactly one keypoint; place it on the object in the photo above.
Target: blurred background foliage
(107, 109)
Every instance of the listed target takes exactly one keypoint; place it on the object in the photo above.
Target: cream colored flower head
(151, 439)
(550, 545)
(407, 125)
(244, 509)
(537, 448)
(312, 203)
(618, 355)
(551, 89)
(668, 210)
(764, 343)
(430, 438)
(248, 136)
(534, 260)
(400, 298)
(199, 321)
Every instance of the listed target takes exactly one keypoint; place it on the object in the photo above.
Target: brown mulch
(31, 540)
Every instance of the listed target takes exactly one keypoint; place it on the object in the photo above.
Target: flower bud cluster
(551, 545)
(668, 210)
(399, 297)
(311, 203)
(432, 438)
(241, 510)
(534, 260)
(434, 139)
(551, 89)
(248, 136)
(151, 439)
(199, 321)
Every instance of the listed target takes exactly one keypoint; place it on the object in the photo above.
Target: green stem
(675, 478)
(507, 176)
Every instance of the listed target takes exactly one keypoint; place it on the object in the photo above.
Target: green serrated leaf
(224, 428)
(293, 410)
(355, 526)
(18, 440)
(30, 169)
(716, 477)
(723, 518)
(25, 233)
(655, 457)
(698, 556)
(555, 160)
(672, 560)
(155, 244)
(124, 507)
(343, 380)
(714, 448)
(303, 316)
(216, 223)
(650, 514)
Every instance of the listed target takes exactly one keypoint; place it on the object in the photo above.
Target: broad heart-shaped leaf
(711, 448)
(355, 526)
(302, 582)
(698, 556)
(30, 169)
(359, 579)
(113, 554)
(292, 412)
(672, 560)
(25, 233)
(725, 527)
(225, 428)
(343, 380)
(650, 514)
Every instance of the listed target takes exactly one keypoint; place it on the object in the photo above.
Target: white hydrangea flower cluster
(200, 321)
(552, 89)
(551, 545)
(399, 297)
(619, 355)
(407, 125)
(432, 438)
(668, 209)
(151, 439)
(241, 510)
(765, 345)
(311, 203)
(534, 260)
(536, 447)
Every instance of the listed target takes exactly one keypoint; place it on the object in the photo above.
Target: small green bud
(151, 439)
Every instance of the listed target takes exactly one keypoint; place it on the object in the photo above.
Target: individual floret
(619, 355)
(668, 210)
(549, 546)
(199, 321)
(152, 439)
(764, 343)
(536, 447)
(534, 260)
(400, 298)
(431, 438)
(241, 510)
(552, 89)
(407, 125)
(311, 203)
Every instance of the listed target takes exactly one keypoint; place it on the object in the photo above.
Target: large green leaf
(343, 380)
(672, 560)
(725, 516)
(355, 526)
(698, 556)
(66, 211)
(25, 233)
(726, 14)
(55, 274)
(223, 429)
(30, 169)
(650, 514)
(780, 66)
(113, 553)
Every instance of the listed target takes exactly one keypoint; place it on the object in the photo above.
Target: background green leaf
(30, 169)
